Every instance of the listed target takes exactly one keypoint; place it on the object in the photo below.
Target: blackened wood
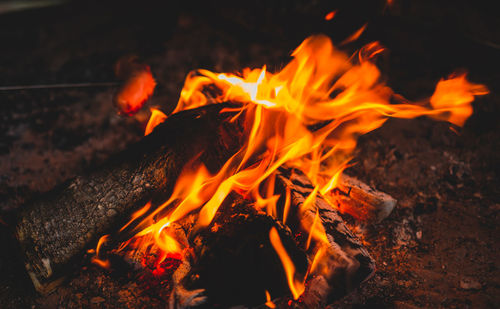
(226, 266)
(234, 260)
(55, 230)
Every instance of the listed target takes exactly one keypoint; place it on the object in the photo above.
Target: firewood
(236, 248)
(234, 261)
(55, 230)
(225, 254)
(347, 262)
(356, 198)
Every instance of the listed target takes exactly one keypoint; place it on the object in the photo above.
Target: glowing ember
(353, 37)
(138, 87)
(308, 116)
(330, 15)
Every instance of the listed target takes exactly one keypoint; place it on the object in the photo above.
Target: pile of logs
(55, 231)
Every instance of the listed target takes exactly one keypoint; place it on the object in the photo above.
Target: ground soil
(439, 247)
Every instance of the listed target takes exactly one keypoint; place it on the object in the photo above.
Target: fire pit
(237, 196)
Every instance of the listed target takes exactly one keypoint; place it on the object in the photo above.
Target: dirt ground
(438, 249)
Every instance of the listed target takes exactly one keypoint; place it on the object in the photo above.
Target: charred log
(235, 262)
(347, 263)
(54, 231)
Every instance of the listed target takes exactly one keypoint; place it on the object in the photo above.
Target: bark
(361, 201)
(346, 264)
(54, 230)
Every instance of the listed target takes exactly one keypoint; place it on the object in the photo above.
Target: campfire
(237, 196)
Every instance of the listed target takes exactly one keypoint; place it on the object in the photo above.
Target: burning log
(236, 248)
(234, 260)
(55, 230)
(99, 200)
(356, 198)
(346, 262)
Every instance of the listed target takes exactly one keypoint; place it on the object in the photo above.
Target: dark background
(439, 248)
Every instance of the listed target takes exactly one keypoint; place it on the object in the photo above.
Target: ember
(138, 87)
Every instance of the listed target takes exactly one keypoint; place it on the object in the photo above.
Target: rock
(470, 284)
(402, 234)
(97, 300)
(404, 305)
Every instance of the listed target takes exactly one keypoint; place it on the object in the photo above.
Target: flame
(353, 37)
(317, 257)
(312, 231)
(95, 259)
(297, 287)
(155, 119)
(137, 214)
(453, 97)
(269, 302)
(307, 116)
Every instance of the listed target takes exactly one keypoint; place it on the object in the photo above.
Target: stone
(470, 284)
(97, 300)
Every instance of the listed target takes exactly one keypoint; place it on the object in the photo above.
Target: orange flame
(95, 259)
(137, 214)
(453, 98)
(308, 116)
(297, 287)
(155, 119)
(353, 37)
(269, 302)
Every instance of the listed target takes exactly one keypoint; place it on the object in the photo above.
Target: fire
(269, 302)
(155, 119)
(453, 97)
(96, 260)
(308, 116)
(297, 287)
